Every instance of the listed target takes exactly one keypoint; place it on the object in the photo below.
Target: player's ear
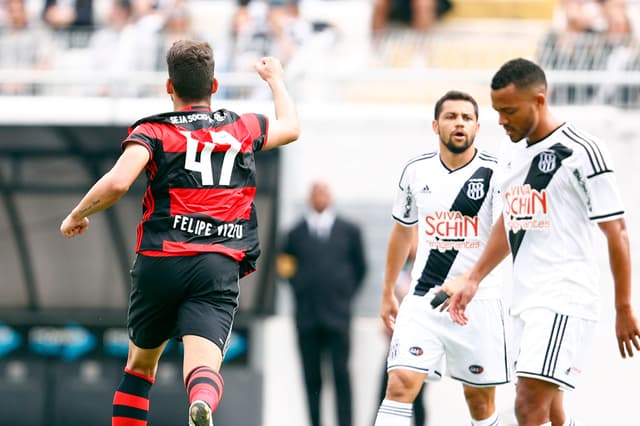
(169, 86)
(434, 125)
(214, 85)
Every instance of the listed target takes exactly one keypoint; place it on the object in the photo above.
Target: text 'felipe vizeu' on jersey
(555, 192)
(201, 184)
(454, 211)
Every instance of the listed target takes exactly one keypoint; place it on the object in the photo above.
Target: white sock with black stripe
(393, 413)
(493, 420)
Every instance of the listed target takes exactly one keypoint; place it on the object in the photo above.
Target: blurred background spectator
(72, 18)
(419, 15)
(23, 47)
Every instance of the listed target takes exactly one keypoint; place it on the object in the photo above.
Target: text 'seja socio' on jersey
(555, 192)
(201, 184)
(454, 211)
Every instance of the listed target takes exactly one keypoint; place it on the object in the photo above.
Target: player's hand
(71, 227)
(627, 331)
(448, 289)
(389, 311)
(460, 299)
(269, 69)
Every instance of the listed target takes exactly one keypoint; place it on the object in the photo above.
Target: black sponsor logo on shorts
(416, 350)
(476, 369)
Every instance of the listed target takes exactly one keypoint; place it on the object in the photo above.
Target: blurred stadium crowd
(116, 47)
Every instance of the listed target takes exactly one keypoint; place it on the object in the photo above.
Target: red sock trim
(205, 384)
(140, 375)
(126, 399)
(126, 421)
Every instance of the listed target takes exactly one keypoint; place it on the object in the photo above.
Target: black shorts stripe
(544, 377)
(553, 347)
(479, 385)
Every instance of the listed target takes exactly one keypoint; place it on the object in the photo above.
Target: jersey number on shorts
(225, 142)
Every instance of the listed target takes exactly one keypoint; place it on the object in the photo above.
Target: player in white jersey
(450, 196)
(558, 188)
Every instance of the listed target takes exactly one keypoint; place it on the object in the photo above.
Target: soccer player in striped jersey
(450, 197)
(559, 188)
(198, 233)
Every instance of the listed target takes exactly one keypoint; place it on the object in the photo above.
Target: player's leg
(481, 404)
(204, 384)
(557, 415)
(415, 352)
(204, 322)
(477, 355)
(419, 411)
(150, 322)
(533, 401)
(339, 343)
(551, 349)
(131, 399)
(403, 386)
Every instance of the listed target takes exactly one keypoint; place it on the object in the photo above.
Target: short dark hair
(521, 72)
(191, 66)
(454, 95)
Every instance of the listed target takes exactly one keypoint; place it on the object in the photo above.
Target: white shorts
(476, 354)
(551, 347)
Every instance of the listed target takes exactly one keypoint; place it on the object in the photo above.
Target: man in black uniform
(323, 257)
(198, 232)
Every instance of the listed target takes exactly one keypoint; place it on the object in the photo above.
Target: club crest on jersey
(475, 188)
(547, 162)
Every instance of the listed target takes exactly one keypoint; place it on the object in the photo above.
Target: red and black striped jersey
(201, 183)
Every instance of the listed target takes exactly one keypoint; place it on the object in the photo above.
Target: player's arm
(627, 328)
(286, 127)
(398, 250)
(107, 190)
(495, 251)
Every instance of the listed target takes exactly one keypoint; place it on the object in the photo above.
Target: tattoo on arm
(86, 209)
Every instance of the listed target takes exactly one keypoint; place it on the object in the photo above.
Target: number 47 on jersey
(221, 140)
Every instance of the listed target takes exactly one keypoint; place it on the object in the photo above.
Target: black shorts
(185, 295)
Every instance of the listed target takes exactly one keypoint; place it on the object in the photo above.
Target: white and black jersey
(454, 210)
(555, 192)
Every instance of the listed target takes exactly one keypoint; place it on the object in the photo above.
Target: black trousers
(314, 345)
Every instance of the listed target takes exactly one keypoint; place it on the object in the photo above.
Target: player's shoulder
(586, 148)
(578, 138)
(420, 162)
(487, 157)
(421, 159)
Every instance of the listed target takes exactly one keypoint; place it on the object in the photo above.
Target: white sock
(393, 413)
(492, 420)
(570, 421)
